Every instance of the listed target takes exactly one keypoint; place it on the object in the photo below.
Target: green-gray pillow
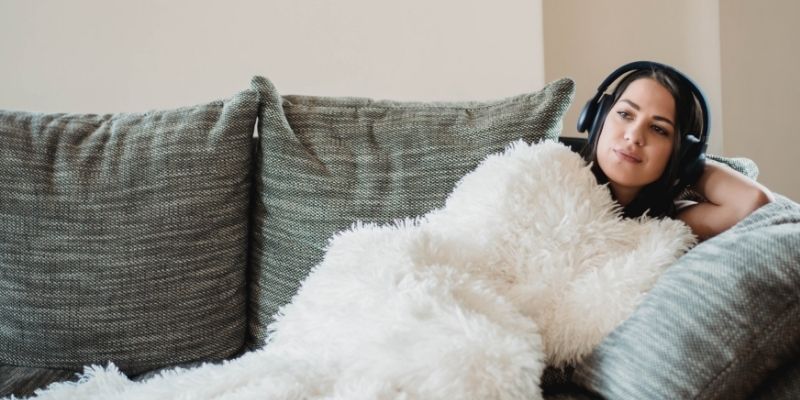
(323, 163)
(743, 165)
(716, 324)
(123, 237)
(782, 384)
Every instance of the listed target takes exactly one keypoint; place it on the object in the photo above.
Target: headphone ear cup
(587, 115)
(603, 107)
(693, 160)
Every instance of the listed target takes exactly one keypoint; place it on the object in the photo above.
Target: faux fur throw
(528, 264)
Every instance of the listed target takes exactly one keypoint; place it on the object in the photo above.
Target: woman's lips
(625, 156)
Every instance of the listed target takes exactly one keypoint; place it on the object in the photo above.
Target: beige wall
(761, 87)
(114, 55)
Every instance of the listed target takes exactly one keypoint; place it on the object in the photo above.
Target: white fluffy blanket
(528, 264)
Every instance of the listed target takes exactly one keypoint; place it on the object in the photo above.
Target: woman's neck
(623, 195)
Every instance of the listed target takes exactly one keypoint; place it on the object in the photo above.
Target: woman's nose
(635, 134)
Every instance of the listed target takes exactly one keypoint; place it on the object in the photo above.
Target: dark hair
(657, 198)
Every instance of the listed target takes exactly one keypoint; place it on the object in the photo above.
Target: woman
(635, 144)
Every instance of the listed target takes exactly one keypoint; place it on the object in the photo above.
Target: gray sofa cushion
(745, 166)
(716, 324)
(123, 237)
(783, 384)
(22, 381)
(324, 163)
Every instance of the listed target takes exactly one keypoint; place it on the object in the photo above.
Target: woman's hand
(730, 196)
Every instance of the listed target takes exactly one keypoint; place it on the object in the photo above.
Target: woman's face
(636, 141)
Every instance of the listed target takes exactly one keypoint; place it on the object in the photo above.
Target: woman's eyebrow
(634, 105)
(656, 117)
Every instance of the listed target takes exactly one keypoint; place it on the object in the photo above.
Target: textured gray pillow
(716, 324)
(745, 166)
(123, 237)
(783, 384)
(324, 163)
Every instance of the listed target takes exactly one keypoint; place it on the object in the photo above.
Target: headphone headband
(639, 65)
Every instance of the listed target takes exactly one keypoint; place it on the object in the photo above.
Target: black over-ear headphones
(693, 147)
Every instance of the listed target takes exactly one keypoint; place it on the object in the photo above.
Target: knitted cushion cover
(743, 165)
(722, 323)
(123, 238)
(323, 163)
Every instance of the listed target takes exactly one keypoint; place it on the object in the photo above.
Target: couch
(171, 237)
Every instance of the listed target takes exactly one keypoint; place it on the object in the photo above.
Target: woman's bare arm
(730, 196)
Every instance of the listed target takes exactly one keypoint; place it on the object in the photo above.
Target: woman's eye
(624, 114)
(660, 130)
